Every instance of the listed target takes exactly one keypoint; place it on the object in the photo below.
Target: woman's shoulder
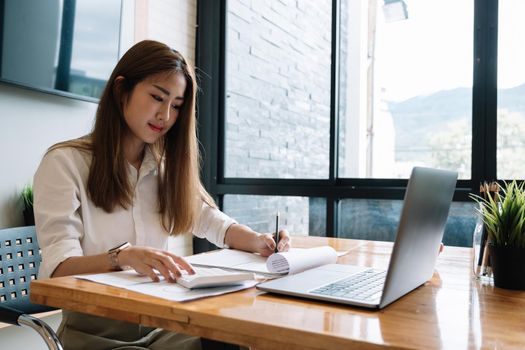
(64, 160)
(70, 151)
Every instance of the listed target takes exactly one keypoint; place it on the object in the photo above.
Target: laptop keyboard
(365, 286)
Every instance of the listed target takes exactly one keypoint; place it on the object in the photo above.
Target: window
(405, 88)
(511, 90)
(299, 215)
(377, 219)
(278, 89)
(346, 121)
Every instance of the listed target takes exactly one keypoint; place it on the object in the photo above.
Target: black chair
(19, 262)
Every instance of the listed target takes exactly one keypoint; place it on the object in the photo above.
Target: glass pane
(95, 48)
(278, 89)
(405, 87)
(299, 215)
(511, 90)
(377, 220)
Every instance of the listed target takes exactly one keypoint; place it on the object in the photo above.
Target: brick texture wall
(278, 103)
(173, 23)
(278, 88)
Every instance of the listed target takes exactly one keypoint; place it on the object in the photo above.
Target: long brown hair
(180, 190)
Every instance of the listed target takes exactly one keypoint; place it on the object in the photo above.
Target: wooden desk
(452, 311)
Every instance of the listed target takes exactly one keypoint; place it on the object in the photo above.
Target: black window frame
(211, 68)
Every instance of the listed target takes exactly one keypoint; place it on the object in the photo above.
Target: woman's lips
(155, 128)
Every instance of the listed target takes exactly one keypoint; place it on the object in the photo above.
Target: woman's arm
(220, 229)
(244, 238)
(83, 264)
(141, 259)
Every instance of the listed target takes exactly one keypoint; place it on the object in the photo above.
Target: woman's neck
(134, 152)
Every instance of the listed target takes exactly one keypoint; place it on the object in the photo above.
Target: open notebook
(278, 264)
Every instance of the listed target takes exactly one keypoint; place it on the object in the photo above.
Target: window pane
(377, 220)
(278, 89)
(511, 90)
(405, 87)
(299, 215)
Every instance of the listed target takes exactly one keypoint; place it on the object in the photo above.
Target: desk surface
(452, 311)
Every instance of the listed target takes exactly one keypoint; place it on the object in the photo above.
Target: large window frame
(211, 63)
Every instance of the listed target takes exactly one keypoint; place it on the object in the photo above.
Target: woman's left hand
(265, 244)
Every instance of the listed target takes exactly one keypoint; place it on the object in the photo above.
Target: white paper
(176, 292)
(230, 259)
(278, 264)
(298, 260)
(130, 280)
(120, 279)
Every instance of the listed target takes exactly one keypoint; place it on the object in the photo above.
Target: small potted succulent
(27, 199)
(504, 221)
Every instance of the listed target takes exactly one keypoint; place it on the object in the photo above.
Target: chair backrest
(19, 263)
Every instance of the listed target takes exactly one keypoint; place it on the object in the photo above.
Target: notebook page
(230, 259)
(298, 260)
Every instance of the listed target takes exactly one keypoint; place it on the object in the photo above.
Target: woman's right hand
(144, 260)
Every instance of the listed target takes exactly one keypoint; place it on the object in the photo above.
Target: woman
(110, 200)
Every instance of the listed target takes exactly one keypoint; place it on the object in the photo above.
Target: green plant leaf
(27, 196)
(504, 218)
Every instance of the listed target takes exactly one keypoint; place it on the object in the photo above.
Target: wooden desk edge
(240, 332)
(190, 321)
(42, 292)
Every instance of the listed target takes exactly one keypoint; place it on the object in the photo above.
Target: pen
(276, 231)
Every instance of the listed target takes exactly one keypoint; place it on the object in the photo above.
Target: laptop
(421, 226)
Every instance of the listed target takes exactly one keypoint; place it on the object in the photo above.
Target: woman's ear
(118, 88)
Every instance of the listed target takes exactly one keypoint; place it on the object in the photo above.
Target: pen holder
(481, 263)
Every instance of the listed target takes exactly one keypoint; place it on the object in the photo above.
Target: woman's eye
(157, 98)
(175, 107)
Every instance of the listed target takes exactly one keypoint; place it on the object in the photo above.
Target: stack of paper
(130, 280)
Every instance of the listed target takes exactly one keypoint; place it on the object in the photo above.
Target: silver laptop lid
(421, 226)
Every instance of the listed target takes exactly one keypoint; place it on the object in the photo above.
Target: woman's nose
(163, 113)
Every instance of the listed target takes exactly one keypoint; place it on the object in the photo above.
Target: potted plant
(27, 198)
(504, 220)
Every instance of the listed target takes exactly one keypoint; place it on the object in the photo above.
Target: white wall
(32, 121)
(174, 26)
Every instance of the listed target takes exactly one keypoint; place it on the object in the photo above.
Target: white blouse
(69, 224)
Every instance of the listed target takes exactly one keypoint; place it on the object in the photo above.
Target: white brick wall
(173, 22)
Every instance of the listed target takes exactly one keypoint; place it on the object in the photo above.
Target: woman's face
(153, 106)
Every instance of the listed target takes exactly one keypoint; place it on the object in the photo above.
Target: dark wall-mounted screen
(66, 47)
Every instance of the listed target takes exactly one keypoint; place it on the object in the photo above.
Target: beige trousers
(82, 331)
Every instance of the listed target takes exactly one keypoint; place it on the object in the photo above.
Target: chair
(19, 262)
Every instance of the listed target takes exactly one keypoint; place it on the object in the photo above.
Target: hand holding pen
(267, 245)
(276, 250)
(282, 238)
